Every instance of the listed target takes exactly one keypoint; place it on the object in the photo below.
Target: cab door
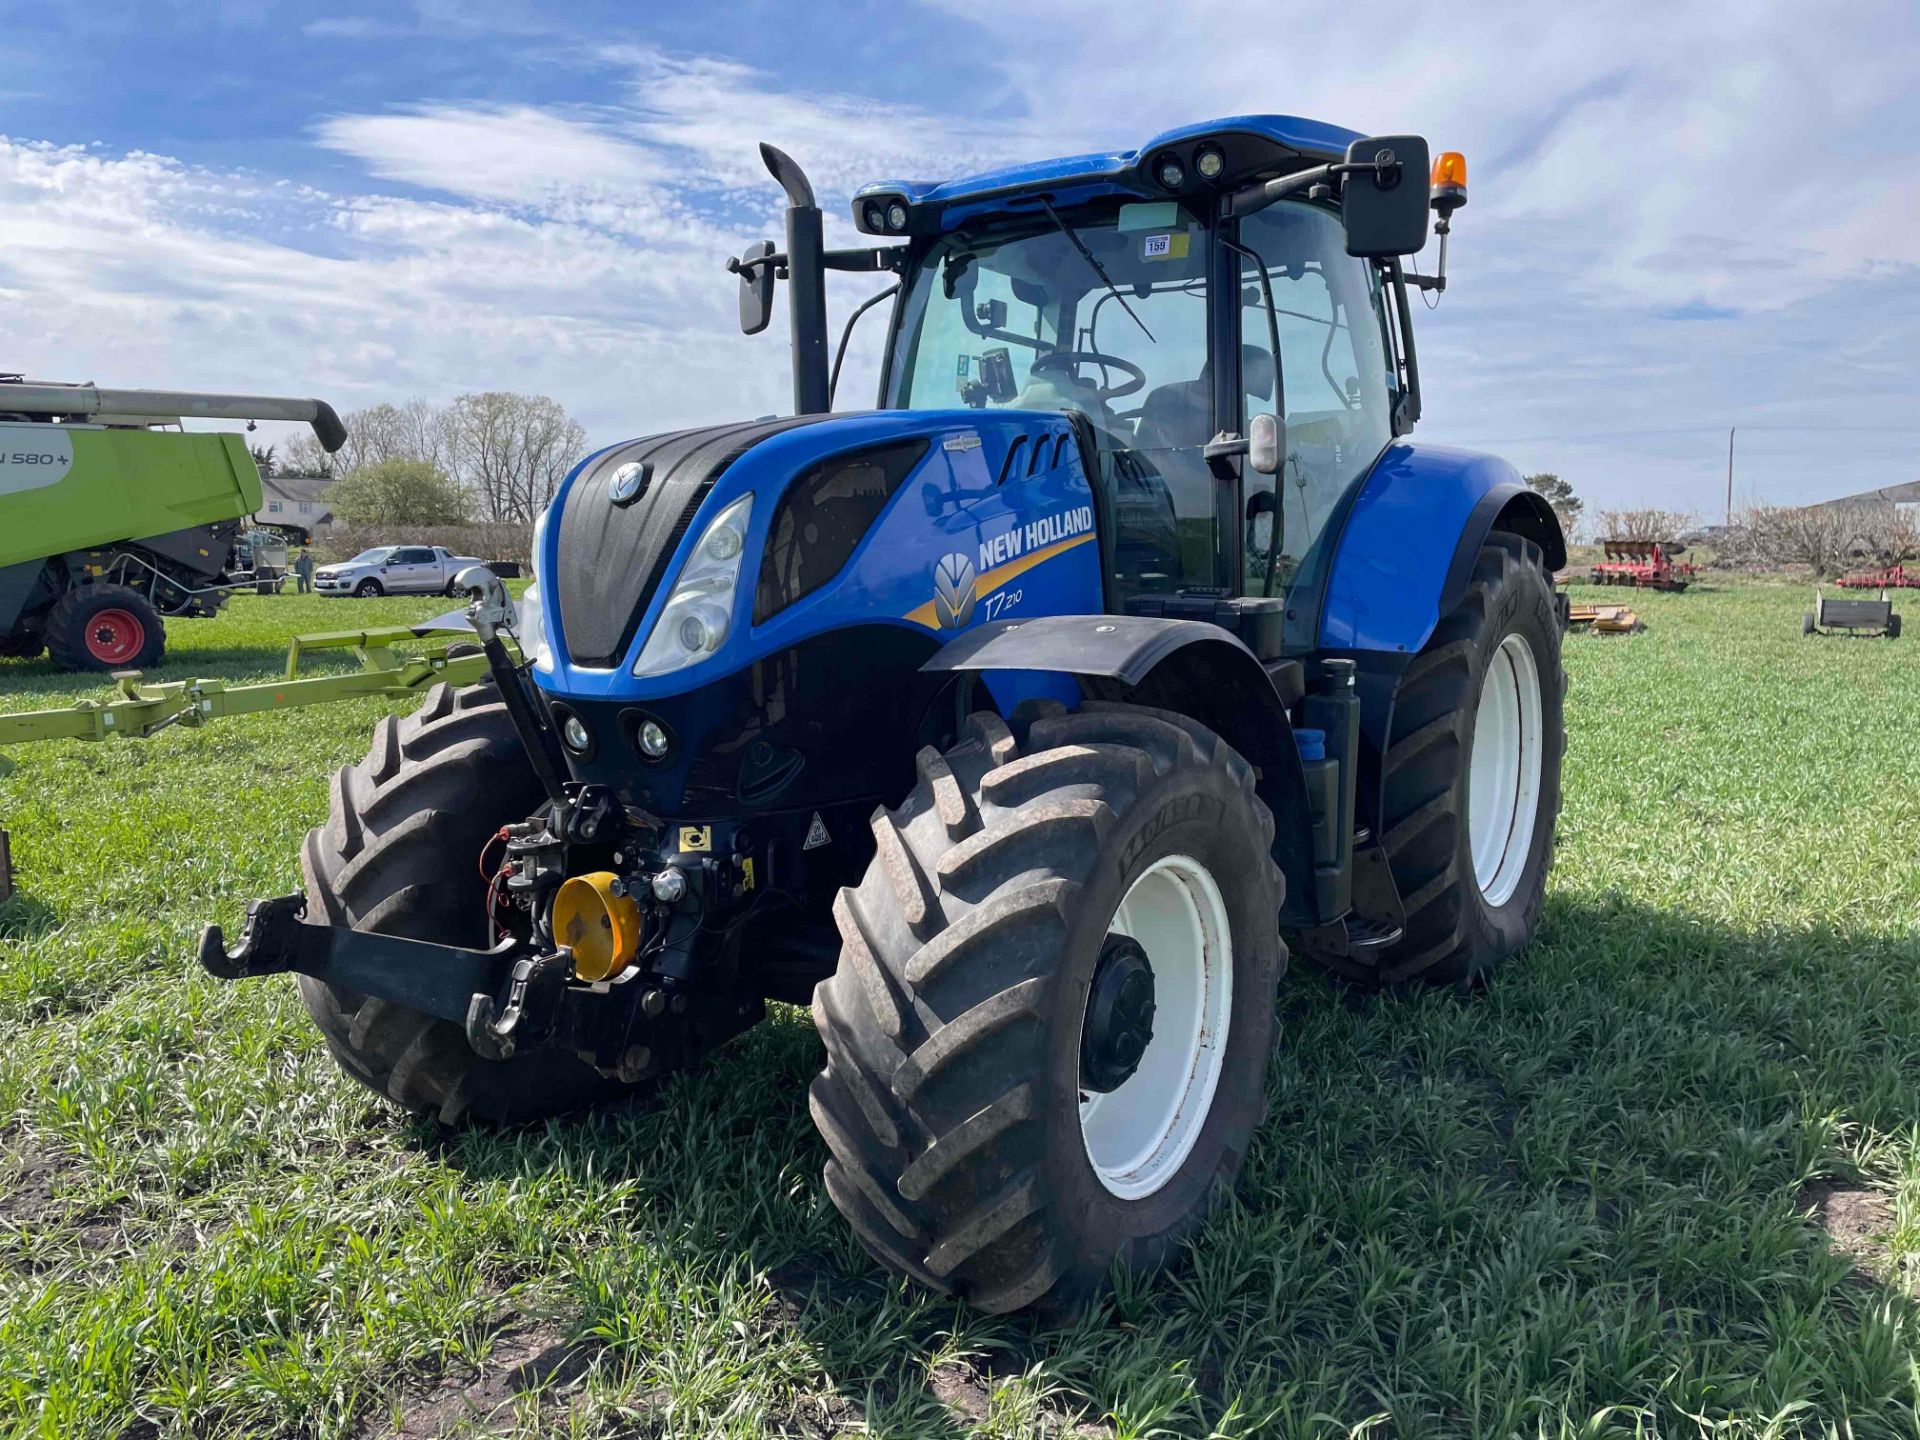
(1336, 382)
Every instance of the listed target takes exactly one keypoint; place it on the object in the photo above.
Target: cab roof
(1252, 145)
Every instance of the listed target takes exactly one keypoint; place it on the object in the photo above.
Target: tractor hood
(859, 545)
(618, 526)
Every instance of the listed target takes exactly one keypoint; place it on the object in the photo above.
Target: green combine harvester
(114, 520)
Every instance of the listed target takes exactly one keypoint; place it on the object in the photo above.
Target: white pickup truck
(394, 570)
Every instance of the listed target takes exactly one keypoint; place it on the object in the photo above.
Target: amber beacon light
(1449, 182)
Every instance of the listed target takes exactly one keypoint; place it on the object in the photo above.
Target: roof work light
(1449, 183)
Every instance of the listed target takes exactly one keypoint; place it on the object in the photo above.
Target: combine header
(1648, 564)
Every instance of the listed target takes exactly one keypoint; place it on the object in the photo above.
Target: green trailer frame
(138, 710)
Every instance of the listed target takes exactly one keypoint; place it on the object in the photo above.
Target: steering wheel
(1069, 361)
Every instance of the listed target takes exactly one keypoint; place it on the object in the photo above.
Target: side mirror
(1263, 444)
(1385, 208)
(756, 287)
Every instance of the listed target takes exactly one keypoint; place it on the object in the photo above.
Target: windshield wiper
(1098, 268)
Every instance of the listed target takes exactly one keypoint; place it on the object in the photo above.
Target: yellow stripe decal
(986, 584)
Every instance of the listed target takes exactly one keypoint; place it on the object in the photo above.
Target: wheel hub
(1119, 1023)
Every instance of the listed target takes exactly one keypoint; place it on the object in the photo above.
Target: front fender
(1410, 538)
(1186, 666)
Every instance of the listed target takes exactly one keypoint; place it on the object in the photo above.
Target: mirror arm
(737, 266)
(1252, 199)
(880, 257)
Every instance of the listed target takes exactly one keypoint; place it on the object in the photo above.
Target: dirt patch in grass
(537, 1357)
(27, 1187)
(1858, 1221)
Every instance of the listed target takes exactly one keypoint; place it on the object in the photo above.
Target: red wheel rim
(115, 636)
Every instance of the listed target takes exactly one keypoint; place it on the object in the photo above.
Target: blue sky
(1683, 217)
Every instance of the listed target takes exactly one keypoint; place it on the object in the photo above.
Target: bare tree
(415, 430)
(512, 451)
(301, 454)
(1825, 539)
(1645, 523)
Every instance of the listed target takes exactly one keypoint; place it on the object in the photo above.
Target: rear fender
(1406, 552)
(1405, 558)
(1195, 669)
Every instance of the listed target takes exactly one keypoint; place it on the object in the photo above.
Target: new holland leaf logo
(953, 591)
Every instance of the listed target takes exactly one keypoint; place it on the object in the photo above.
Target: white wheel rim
(1140, 1134)
(1503, 777)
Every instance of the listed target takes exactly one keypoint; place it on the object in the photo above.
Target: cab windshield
(1100, 311)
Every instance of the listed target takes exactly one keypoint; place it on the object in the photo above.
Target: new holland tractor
(1019, 725)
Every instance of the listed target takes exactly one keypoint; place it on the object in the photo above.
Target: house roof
(1905, 494)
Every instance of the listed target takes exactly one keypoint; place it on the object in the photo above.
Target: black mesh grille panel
(612, 557)
(823, 516)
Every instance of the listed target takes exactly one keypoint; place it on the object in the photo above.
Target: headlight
(699, 612)
(529, 626)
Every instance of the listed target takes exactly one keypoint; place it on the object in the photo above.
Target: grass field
(1663, 1178)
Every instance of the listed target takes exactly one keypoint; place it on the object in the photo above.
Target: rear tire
(399, 855)
(105, 628)
(1498, 646)
(952, 1098)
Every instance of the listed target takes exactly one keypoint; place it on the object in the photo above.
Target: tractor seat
(1180, 415)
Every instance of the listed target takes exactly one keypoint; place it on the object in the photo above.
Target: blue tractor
(1019, 725)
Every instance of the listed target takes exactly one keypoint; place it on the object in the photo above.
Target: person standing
(303, 571)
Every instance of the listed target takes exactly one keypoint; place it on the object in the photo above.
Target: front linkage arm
(510, 1000)
(439, 980)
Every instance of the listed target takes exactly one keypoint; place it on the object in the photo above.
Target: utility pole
(1730, 430)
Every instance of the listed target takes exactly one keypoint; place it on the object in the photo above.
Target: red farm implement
(1648, 564)
(1894, 577)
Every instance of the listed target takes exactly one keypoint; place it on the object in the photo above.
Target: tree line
(494, 457)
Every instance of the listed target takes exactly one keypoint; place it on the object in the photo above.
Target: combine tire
(1472, 772)
(399, 855)
(105, 627)
(1047, 1035)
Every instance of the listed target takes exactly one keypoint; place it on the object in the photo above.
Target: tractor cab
(1223, 279)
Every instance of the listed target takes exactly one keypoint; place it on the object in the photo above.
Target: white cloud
(513, 155)
(1627, 162)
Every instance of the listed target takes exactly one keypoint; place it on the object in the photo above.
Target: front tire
(368, 590)
(1471, 774)
(399, 855)
(1000, 1125)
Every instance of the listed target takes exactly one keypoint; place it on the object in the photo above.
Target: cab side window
(1337, 378)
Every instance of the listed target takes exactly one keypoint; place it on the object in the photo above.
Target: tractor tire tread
(933, 1129)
